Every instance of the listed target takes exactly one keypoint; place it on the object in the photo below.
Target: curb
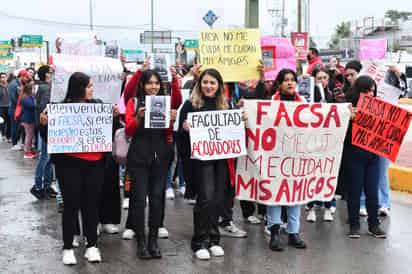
(399, 178)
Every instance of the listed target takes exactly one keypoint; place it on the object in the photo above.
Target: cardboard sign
(161, 63)
(293, 152)
(185, 96)
(301, 44)
(384, 79)
(84, 44)
(306, 88)
(379, 127)
(234, 53)
(74, 128)
(277, 53)
(217, 134)
(157, 113)
(372, 49)
(104, 72)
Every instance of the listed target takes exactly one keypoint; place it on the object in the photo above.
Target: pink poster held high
(278, 53)
(372, 49)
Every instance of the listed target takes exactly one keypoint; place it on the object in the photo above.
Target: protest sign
(277, 53)
(385, 80)
(293, 152)
(185, 96)
(84, 44)
(301, 44)
(74, 128)
(134, 56)
(161, 63)
(306, 88)
(157, 113)
(111, 49)
(104, 72)
(217, 134)
(234, 53)
(372, 49)
(379, 127)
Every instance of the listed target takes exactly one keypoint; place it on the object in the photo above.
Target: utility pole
(299, 15)
(283, 19)
(152, 25)
(91, 15)
(252, 14)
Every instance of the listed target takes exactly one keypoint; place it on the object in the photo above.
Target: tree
(342, 31)
(312, 43)
(395, 15)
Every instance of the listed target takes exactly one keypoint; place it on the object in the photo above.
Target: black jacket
(42, 99)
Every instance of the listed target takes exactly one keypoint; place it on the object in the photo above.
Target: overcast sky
(182, 16)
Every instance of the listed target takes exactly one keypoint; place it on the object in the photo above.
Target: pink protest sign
(372, 49)
(278, 53)
(122, 106)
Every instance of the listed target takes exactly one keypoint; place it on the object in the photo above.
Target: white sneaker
(327, 215)
(182, 190)
(93, 255)
(232, 231)
(128, 234)
(333, 210)
(15, 147)
(311, 216)
(191, 201)
(363, 212)
(99, 229)
(21, 146)
(110, 229)
(383, 211)
(163, 233)
(253, 220)
(76, 241)
(68, 257)
(125, 204)
(170, 194)
(217, 251)
(202, 254)
(267, 231)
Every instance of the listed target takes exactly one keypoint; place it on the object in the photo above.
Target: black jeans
(211, 180)
(361, 173)
(227, 204)
(80, 182)
(248, 208)
(147, 181)
(110, 209)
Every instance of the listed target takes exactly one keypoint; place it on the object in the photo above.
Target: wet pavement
(30, 239)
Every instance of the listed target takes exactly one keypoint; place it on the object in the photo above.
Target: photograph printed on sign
(306, 88)
(161, 64)
(157, 113)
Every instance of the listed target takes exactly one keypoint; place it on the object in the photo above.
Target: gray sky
(184, 16)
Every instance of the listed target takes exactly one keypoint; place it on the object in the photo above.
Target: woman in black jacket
(209, 177)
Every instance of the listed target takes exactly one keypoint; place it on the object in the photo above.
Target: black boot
(153, 247)
(274, 243)
(142, 251)
(296, 241)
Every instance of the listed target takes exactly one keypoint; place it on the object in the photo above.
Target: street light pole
(152, 25)
(91, 15)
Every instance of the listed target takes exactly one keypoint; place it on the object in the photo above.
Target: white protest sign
(294, 152)
(161, 63)
(84, 44)
(104, 72)
(217, 134)
(157, 113)
(379, 72)
(185, 96)
(74, 128)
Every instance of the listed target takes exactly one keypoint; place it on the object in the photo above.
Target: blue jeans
(274, 217)
(43, 175)
(180, 174)
(362, 171)
(384, 199)
(13, 129)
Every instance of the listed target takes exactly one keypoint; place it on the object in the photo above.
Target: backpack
(121, 142)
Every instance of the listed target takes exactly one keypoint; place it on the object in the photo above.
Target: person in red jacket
(314, 60)
(148, 156)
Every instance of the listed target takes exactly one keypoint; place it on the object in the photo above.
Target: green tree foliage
(395, 15)
(342, 31)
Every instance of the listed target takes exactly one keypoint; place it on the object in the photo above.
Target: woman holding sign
(210, 176)
(362, 170)
(147, 160)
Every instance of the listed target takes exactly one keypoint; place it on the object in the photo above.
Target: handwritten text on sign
(293, 152)
(379, 127)
(217, 134)
(104, 72)
(76, 128)
(234, 53)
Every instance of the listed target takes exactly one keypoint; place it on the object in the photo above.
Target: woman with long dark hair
(147, 160)
(210, 177)
(362, 169)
